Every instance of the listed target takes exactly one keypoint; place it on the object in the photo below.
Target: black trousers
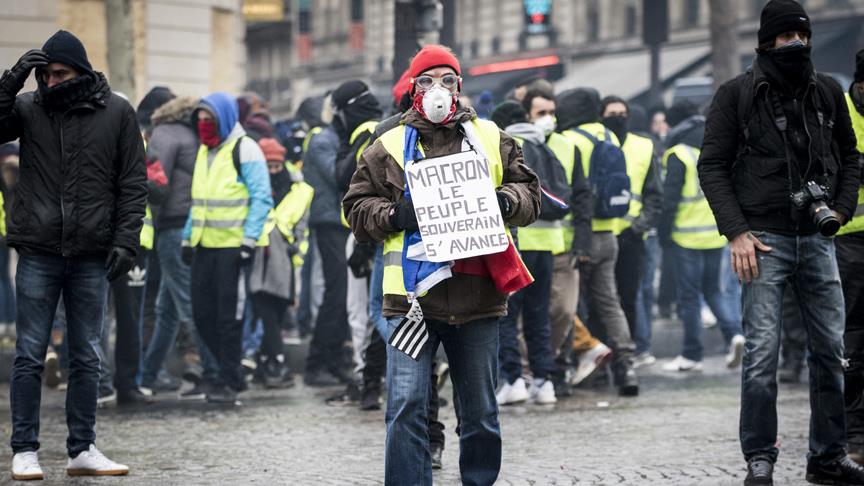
(629, 270)
(129, 293)
(217, 315)
(331, 326)
(850, 259)
(271, 310)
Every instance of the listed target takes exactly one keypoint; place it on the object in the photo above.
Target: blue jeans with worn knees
(173, 309)
(811, 264)
(40, 281)
(472, 351)
(700, 276)
(533, 303)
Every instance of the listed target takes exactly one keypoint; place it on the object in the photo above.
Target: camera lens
(825, 220)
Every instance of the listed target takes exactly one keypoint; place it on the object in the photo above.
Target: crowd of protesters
(227, 237)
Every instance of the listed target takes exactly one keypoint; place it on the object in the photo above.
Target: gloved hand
(31, 59)
(187, 254)
(119, 262)
(506, 205)
(360, 261)
(402, 216)
(247, 253)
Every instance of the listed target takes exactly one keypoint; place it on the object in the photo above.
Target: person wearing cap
(462, 310)
(230, 203)
(778, 130)
(76, 224)
(850, 260)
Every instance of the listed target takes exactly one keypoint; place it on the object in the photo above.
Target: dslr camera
(814, 197)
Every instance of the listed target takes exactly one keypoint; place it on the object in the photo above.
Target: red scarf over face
(208, 133)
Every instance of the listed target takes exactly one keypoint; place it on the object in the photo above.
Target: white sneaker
(736, 351)
(643, 359)
(512, 393)
(708, 318)
(543, 394)
(25, 466)
(681, 363)
(93, 463)
(590, 360)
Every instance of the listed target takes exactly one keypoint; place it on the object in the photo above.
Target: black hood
(576, 107)
(689, 132)
(309, 111)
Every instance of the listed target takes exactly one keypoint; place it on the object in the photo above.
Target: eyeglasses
(448, 81)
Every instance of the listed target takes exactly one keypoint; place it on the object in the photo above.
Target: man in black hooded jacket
(769, 132)
(77, 219)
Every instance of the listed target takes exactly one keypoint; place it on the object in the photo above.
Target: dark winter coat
(175, 143)
(83, 180)
(746, 182)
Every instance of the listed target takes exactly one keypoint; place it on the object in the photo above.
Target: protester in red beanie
(429, 303)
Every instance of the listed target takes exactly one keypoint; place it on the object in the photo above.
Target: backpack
(607, 176)
(556, 191)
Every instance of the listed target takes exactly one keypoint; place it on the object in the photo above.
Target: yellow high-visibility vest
(541, 235)
(2, 216)
(290, 211)
(367, 126)
(147, 232)
(586, 148)
(638, 153)
(220, 201)
(563, 148)
(856, 224)
(393, 141)
(695, 227)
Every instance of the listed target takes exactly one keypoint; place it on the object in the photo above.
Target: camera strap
(782, 123)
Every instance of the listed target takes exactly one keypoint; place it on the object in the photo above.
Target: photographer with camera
(780, 171)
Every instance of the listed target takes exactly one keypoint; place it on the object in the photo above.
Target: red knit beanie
(401, 87)
(432, 56)
(273, 150)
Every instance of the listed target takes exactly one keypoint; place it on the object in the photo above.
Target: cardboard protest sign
(456, 207)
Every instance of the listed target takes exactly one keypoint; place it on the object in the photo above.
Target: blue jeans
(7, 293)
(472, 351)
(173, 308)
(376, 292)
(533, 303)
(40, 280)
(699, 275)
(811, 264)
(645, 298)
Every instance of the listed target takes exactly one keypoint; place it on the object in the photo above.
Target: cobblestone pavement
(682, 430)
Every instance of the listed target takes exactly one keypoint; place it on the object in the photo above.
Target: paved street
(681, 430)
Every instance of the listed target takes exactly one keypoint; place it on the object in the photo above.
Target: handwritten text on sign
(457, 210)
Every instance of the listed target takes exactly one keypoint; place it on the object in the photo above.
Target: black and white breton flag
(411, 334)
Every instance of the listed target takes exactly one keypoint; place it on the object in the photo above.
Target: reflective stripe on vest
(541, 235)
(695, 227)
(220, 201)
(856, 224)
(393, 142)
(638, 152)
(586, 148)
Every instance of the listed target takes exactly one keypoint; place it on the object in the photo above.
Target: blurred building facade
(192, 46)
(313, 45)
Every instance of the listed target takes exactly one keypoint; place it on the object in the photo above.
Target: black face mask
(63, 95)
(617, 125)
(792, 61)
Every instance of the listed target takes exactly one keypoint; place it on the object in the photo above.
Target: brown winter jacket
(378, 184)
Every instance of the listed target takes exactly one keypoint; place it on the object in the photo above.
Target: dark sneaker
(842, 471)
(133, 397)
(196, 393)
(760, 472)
(348, 398)
(436, 451)
(275, 373)
(371, 399)
(222, 394)
(625, 379)
(164, 383)
(320, 378)
(106, 397)
(193, 373)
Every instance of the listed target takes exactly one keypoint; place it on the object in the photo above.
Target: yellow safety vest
(695, 227)
(367, 126)
(308, 138)
(2, 216)
(586, 148)
(857, 222)
(563, 149)
(393, 141)
(147, 231)
(220, 201)
(541, 235)
(290, 211)
(638, 152)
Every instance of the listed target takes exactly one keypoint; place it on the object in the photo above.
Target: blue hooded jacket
(224, 107)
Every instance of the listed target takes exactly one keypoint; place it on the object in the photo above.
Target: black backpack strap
(235, 155)
(587, 135)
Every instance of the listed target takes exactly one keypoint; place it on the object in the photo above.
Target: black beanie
(507, 113)
(781, 16)
(65, 48)
(347, 90)
(859, 66)
(154, 98)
